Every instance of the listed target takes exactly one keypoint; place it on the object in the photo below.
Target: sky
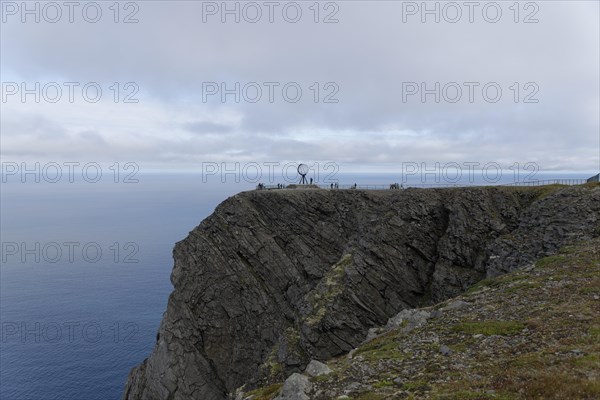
(366, 84)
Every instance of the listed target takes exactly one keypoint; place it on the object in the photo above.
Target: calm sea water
(84, 278)
(74, 324)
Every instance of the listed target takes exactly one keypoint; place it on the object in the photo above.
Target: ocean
(84, 277)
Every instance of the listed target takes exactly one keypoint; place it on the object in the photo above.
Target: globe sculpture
(302, 171)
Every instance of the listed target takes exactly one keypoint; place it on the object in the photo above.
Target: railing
(389, 187)
(569, 182)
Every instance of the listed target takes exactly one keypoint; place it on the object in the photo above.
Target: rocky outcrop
(274, 279)
(296, 387)
(529, 334)
(317, 368)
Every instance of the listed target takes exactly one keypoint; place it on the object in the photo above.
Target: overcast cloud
(361, 61)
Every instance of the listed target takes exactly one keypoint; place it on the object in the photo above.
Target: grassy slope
(531, 334)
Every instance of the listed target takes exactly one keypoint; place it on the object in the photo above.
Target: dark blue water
(73, 322)
(74, 325)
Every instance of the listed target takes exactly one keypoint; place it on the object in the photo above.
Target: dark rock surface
(274, 279)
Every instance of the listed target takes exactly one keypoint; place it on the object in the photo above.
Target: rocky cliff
(273, 279)
(533, 333)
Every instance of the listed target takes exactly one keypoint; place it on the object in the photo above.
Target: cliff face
(533, 333)
(273, 279)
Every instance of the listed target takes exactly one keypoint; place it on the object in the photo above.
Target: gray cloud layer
(368, 54)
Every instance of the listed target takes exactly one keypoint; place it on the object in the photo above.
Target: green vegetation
(546, 190)
(493, 283)
(471, 395)
(416, 386)
(328, 289)
(267, 393)
(370, 396)
(381, 348)
(383, 384)
(490, 327)
(523, 286)
(551, 261)
(271, 365)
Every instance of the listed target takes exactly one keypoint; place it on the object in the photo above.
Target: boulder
(296, 387)
(317, 368)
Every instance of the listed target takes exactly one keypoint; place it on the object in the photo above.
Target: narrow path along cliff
(275, 279)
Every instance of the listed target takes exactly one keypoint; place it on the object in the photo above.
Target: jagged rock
(408, 320)
(517, 323)
(316, 368)
(296, 387)
(352, 387)
(373, 333)
(456, 305)
(445, 350)
(577, 352)
(545, 226)
(351, 354)
(273, 279)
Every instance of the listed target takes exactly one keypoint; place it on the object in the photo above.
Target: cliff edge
(274, 279)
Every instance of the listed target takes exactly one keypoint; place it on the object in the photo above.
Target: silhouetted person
(311, 181)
